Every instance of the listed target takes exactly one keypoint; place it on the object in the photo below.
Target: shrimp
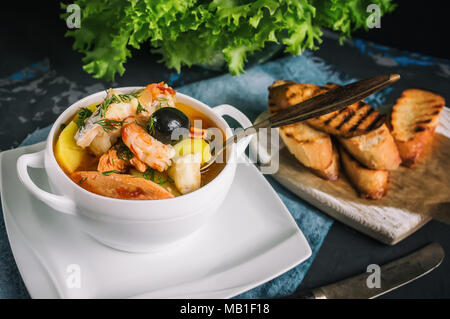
(156, 96)
(145, 147)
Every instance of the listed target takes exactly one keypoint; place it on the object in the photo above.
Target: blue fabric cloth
(247, 92)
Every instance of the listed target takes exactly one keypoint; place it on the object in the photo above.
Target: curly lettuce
(187, 32)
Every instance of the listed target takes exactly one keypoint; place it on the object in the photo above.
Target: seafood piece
(185, 172)
(145, 147)
(89, 131)
(119, 186)
(102, 129)
(138, 164)
(103, 142)
(156, 96)
(111, 162)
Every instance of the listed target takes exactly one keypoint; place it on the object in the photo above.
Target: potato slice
(68, 154)
(192, 146)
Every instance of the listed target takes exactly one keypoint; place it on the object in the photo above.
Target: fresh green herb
(187, 32)
(161, 182)
(83, 114)
(110, 172)
(151, 125)
(124, 97)
(136, 93)
(140, 108)
(124, 153)
(109, 125)
(129, 96)
(149, 174)
(82, 180)
(114, 99)
(106, 103)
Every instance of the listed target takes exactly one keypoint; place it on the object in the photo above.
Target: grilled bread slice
(375, 150)
(414, 118)
(370, 183)
(331, 173)
(356, 119)
(311, 147)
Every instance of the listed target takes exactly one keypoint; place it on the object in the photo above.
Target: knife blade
(392, 276)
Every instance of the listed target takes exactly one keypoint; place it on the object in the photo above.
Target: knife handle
(304, 295)
(332, 100)
(309, 294)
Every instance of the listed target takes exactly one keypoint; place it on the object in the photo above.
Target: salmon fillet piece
(119, 186)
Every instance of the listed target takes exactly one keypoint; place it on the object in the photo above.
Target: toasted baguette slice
(331, 173)
(370, 183)
(356, 119)
(312, 148)
(375, 150)
(414, 118)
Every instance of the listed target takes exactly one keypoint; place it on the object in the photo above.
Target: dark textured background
(32, 33)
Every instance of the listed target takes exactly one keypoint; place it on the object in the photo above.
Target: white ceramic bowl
(133, 225)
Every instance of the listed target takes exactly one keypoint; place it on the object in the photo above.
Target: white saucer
(252, 239)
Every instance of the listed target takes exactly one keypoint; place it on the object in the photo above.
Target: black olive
(164, 121)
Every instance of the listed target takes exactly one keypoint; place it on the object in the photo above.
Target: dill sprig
(82, 180)
(110, 172)
(128, 96)
(140, 108)
(109, 125)
(123, 152)
(151, 125)
(149, 174)
(83, 114)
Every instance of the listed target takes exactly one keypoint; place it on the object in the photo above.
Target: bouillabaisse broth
(134, 166)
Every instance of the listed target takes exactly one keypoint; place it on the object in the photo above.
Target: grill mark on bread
(361, 119)
(333, 116)
(345, 119)
(375, 123)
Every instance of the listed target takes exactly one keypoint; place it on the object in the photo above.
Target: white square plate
(252, 239)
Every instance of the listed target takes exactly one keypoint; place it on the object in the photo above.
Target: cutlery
(333, 100)
(392, 275)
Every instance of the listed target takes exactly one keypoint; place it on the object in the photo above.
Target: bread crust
(311, 147)
(370, 184)
(414, 119)
(376, 149)
(331, 173)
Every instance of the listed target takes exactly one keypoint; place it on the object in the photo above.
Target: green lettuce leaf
(187, 32)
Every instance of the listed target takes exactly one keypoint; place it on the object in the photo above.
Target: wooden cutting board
(415, 194)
